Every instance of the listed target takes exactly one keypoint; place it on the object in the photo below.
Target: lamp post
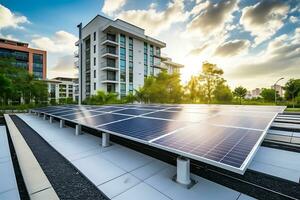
(275, 88)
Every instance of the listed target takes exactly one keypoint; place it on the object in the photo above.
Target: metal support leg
(45, 117)
(51, 120)
(105, 139)
(78, 129)
(61, 123)
(39, 114)
(183, 173)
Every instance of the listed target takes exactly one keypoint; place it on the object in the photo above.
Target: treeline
(18, 86)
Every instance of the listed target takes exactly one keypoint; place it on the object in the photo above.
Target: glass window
(123, 89)
(94, 48)
(130, 87)
(111, 87)
(122, 53)
(111, 75)
(95, 61)
(122, 40)
(94, 73)
(94, 86)
(111, 62)
(94, 36)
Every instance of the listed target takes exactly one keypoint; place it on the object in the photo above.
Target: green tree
(222, 92)
(292, 89)
(163, 88)
(240, 92)
(210, 76)
(268, 94)
(192, 89)
(5, 88)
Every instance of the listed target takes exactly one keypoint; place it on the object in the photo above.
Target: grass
(292, 110)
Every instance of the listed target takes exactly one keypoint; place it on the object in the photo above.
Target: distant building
(62, 88)
(256, 93)
(170, 66)
(279, 89)
(33, 60)
(116, 56)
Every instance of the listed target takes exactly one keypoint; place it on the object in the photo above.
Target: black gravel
(66, 180)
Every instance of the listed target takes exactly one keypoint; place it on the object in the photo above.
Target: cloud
(61, 42)
(232, 48)
(110, 7)
(154, 21)
(264, 19)
(9, 37)
(9, 19)
(63, 67)
(294, 19)
(280, 57)
(211, 17)
(197, 51)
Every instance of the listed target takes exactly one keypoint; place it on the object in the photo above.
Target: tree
(5, 87)
(222, 92)
(268, 94)
(240, 92)
(292, 89)
(163, 88)
(210, 76)
(192, 89)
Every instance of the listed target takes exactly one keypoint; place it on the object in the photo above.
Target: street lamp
(275, 88)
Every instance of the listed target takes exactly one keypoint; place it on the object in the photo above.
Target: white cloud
(232, 48)
(294, 19)
(154, 21)
(9, 19)
(110, 7)
(210, 18)
(61, 42)
(264, 19)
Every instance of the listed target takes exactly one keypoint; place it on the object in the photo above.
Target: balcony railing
(76, 54)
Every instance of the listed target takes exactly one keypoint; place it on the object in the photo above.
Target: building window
(38, 66)
(123, 89)
(111, 75)
(94, 36)
(111, 87)
(157, 51)
(130, 67)
(94, 48)
(94, 86)
(122, 58)
(151, 60)
(94, 73)
(130, 87)
(95, 61)
(145, 59)
(110, 62)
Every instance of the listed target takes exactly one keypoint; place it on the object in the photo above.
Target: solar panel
(82, 114)
(221, 145)
(101, 119)
(131, 111)
(143, 128)
(226, 136)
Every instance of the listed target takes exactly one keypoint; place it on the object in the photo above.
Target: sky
(255, 42)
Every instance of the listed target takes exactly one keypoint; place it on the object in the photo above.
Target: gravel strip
(66, 180)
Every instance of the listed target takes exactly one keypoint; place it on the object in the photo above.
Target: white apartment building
(279, 89)
(115, 56)
(62, 88)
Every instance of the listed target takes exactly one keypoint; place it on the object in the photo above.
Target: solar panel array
(226, 136)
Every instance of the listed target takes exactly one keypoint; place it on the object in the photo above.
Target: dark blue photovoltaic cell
(46, 109)
(225, 145)
(67, 112)
(108, 109)
(142, 128)
(57, 111)
(133, 111)
(101, 119)
(182, 116)
(239, 120)
(81, 114)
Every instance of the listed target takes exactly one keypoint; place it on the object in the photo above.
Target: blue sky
(248, 39)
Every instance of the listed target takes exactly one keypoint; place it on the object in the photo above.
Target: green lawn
(292, 110)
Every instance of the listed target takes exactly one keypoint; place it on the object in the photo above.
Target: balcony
(109, 79)
(76, 54)
(76, 63)
(107, 66)
(77, 43)
(109, 53)
(109, 41)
